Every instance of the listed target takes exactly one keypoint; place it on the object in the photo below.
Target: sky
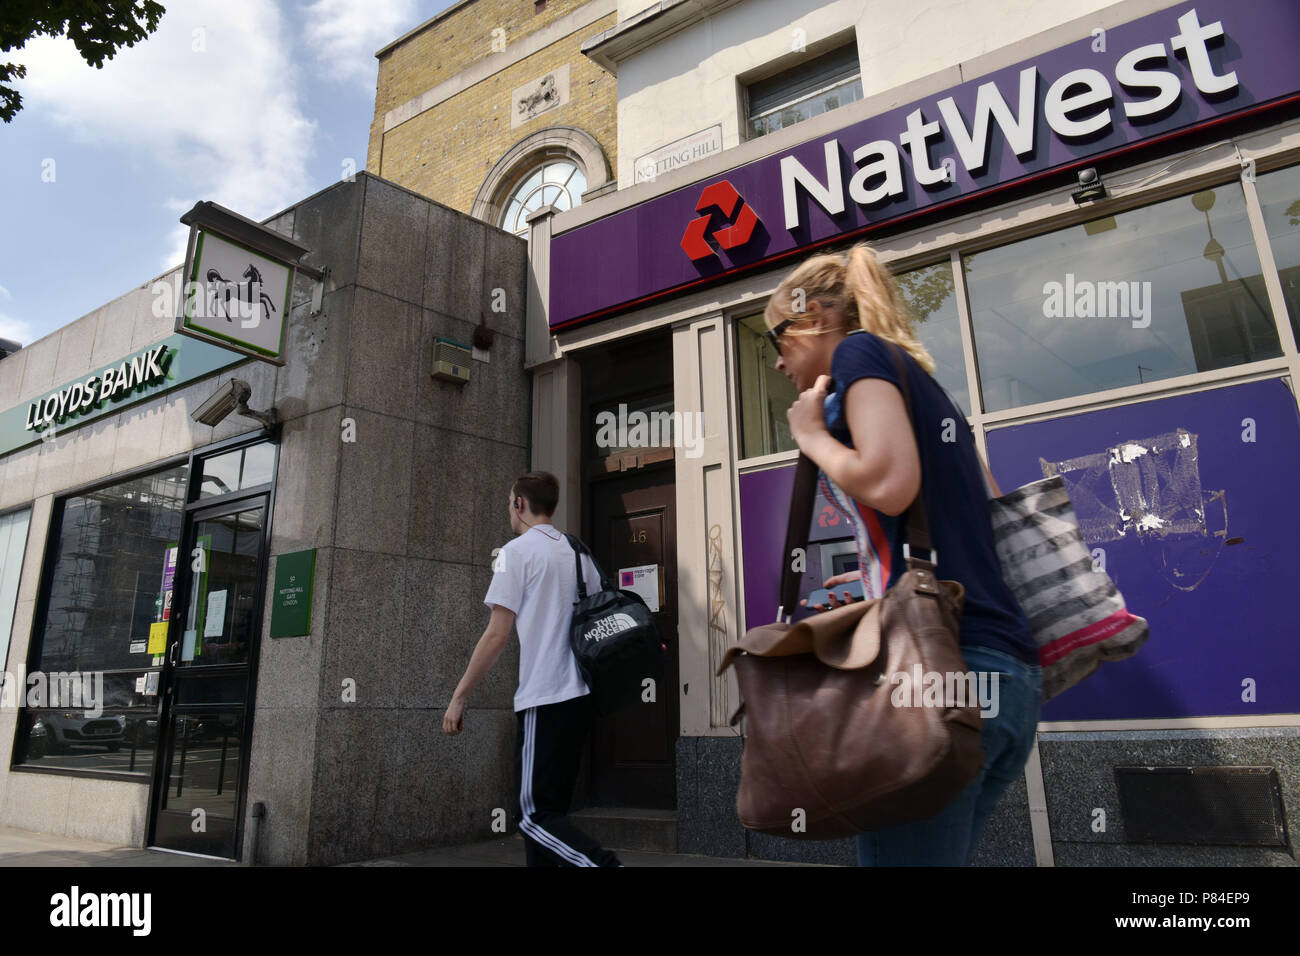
(252, 104)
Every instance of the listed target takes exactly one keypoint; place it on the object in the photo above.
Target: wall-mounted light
(1090, 188)
(483, 336)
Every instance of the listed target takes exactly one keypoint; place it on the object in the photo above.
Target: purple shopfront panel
(1216, 587)
(1207, 550)
(607, 265)
(764, 513)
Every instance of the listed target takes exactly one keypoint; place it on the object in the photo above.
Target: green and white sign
(160, 367)
(235, 296)
(291, 602)
(146, 368)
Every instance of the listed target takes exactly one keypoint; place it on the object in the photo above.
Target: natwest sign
(723, 197)
(1165, 74)
(1079, 104)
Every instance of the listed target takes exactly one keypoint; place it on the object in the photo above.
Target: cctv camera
(224, 401)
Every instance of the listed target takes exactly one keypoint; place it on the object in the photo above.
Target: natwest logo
(743, 219)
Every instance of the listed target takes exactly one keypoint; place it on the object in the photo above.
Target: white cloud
(16, 330)
(346, 33)
(212, 97)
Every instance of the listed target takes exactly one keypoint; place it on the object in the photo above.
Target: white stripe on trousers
(527, 824)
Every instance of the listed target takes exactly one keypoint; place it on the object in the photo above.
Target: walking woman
(830, 321)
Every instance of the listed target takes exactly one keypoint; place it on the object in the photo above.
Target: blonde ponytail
(879, 306)
(860, 287)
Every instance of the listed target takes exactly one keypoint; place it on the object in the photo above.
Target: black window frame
(193, 460)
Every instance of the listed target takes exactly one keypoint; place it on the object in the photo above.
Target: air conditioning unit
(451, 361)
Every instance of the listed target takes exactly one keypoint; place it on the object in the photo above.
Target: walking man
(534, 586)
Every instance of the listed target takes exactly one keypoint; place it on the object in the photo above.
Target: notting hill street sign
(1168, 74)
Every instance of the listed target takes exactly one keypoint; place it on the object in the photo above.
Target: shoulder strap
(796, 531)
(579, 549)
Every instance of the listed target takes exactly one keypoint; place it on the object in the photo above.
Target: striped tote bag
(1075, 611)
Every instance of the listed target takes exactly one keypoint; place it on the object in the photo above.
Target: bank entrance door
(202, 767)
(630, 522)
(634, 525)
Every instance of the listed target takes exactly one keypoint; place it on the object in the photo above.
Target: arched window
(557, 182)
(551, 167)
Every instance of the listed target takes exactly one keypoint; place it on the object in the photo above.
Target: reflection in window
(928, 295)
(237, 470)
(1279, 194)
(810, 89)
(765, 394)
(559, 184)
(115, 562)
(13, 542)
(1166, 290)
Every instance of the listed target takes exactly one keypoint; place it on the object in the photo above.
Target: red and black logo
(739, 213)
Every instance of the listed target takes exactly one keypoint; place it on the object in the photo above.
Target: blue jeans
(948, 838)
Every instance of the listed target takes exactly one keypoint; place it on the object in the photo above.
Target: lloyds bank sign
(146, 368)
(152, 371)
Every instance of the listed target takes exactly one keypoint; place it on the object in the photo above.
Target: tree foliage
(98, 29)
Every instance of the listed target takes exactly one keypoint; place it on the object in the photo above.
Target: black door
(634, 525)
(202, 770)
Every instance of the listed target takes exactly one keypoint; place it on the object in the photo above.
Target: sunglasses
(774, 335)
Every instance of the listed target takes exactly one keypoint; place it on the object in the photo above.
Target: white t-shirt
(535, 578)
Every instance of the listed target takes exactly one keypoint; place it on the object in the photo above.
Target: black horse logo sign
(231, 299)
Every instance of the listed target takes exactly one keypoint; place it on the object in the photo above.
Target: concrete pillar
(557, 383)
(706, 535)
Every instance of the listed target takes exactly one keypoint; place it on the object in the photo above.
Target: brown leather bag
(822, 732)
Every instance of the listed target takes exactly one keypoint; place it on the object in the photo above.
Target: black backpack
(615, 639)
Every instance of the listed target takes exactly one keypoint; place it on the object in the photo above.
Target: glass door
(199, 781)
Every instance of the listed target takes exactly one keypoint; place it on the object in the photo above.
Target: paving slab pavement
(27, 848)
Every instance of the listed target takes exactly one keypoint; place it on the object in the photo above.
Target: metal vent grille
(451, 360)
(1221, 806)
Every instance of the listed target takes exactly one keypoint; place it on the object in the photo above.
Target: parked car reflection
(57, 733)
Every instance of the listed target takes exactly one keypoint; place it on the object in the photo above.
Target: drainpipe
(259, 811)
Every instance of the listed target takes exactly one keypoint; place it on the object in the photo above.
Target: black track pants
(550, 748)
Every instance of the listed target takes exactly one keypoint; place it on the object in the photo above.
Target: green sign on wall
(291, 603)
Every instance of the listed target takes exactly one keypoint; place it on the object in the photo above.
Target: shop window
(114, 565)
(1279, 194)
(1166, 290)
(928, 295)
(237, 470)
(822, 84)
(559, 183)
(13, 543)
(765, 394)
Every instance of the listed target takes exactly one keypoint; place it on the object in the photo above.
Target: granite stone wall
(399, 482)
(1078, 776)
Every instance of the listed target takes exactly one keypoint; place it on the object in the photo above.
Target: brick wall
(446, 152)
